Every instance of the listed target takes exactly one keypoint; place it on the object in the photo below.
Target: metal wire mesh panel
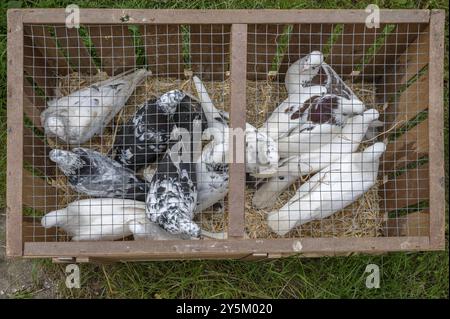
(346, 107)
(106, 112)
(336, 136)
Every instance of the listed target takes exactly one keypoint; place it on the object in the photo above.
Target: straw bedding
(362, 218)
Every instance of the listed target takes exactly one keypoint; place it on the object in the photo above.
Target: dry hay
(362, 218)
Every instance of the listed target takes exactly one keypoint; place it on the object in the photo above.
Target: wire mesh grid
(347, 106)
(321, 179)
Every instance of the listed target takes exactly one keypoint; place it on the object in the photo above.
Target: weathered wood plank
(304, 39)
(77, 53)
(38, 194)
(351, 47)
(114, 46)
(414, 224)
(409, 188)
(164, 49)
(236, 194)
(408, 148)
(210, 50)
(262, 43)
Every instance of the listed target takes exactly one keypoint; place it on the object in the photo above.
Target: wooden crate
(242, 44)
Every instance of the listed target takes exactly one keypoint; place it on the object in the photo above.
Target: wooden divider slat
(304, 38)
(414, 224)
(37, 193)
(210, 50)
(393, 46)
(262, 49)
(351, 46)
(407, 148)
(409, 188)
(35, 66)
(77, 53)
(164, 49)
(236, 194)
(114, 46)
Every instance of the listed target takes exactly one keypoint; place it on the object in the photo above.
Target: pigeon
(286, 117)
(307, 139)
(212, 172)
(323, 117)
(97, 218)
(322, 107)
(145, 137)
(292, 168)
(330, 190)
(261, 150)
(172, 195)
(212, 165)
(301, 72)
(144, 229)
(109, 219)
(79, 116)
(92, 173)
(312, 70)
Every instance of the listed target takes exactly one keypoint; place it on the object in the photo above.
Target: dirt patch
(21, 278)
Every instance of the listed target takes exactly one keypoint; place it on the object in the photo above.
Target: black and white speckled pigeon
(92, 173)
(79, 116)
(145, 137)
(172, 195)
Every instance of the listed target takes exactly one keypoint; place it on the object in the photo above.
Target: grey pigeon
(91, 173)
(79, 116)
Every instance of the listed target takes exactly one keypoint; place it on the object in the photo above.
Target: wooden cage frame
(236, 246)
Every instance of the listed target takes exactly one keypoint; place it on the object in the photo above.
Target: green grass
(403, 275)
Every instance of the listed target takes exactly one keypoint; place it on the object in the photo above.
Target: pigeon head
(67, 161)
(170, 100)
(311, 62)
(55, 126)
(174, 222)
(373, 152)
(262, 150)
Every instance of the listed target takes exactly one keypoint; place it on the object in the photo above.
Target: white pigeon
(79, 116)
(212, 166)
(96, 219)
(261, 150)
(329, 191)
(301, 72)
(212, 172)
(307, 163)
(307, 139)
